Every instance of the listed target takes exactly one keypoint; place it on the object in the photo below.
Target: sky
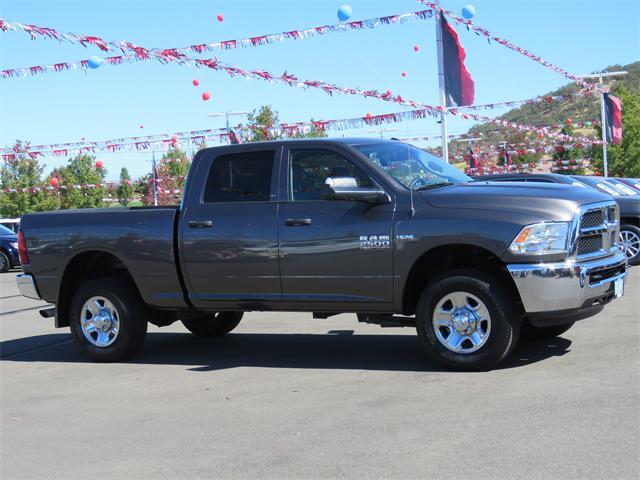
(112, 102)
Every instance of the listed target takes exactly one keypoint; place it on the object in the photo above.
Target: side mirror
(346, 188)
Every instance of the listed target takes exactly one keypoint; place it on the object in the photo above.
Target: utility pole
(155, 178)
(226, 115)
(603, 114)
(382, 130)
(441, 84)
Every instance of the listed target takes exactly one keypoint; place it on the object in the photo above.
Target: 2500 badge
(375, 242)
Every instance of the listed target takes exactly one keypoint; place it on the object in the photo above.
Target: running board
(387, 321)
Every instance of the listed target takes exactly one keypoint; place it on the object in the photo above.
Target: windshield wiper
(433, 185)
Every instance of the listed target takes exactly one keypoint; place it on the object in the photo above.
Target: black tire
(214, 325)
(538, 333)
(132, 318)
(5, 264)
(634, 233)
(500, 304)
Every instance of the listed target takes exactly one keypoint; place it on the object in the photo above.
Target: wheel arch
(443, 258)
(85, 266)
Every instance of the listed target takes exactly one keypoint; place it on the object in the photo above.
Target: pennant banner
(186, 139)
(168, 54)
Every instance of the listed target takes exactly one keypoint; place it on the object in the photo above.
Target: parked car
(629, 240)
(12, 224)
(622, 187)
(632, 182)
(8, 249)
(379, 228)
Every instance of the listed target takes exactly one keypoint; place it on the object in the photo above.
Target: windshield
(600, 184)
(410, 166)
(622, 187)
(5, 231)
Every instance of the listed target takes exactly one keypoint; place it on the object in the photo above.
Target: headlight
(541, 238)
(14, 245)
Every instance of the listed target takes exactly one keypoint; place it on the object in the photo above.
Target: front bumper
(564, 286)
(27, 286)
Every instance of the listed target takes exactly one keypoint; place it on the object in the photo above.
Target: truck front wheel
(108, 319)
(467, 320)
(214, 325)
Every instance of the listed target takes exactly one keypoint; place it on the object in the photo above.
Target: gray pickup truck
(378, 228)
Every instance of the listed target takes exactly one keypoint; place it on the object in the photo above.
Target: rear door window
(240, 177)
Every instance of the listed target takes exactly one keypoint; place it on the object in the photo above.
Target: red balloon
(368, 115)
(195, 82)
(129, 182)
(141, 126)
(541, 135)
(404, 74)
(54, 182)
(206, 96)
(416, 48)
(220, 17)
(388, 94)
(568, 121)
(99, 164)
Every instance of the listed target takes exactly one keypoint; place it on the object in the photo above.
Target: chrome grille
(597, 231)
(587, 245)
(592, 218)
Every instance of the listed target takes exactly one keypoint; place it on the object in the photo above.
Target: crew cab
(378, 228)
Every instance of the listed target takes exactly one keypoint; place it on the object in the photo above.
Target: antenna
(412, 210)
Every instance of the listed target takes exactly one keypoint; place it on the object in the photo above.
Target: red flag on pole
(613, 115)
(459, 86)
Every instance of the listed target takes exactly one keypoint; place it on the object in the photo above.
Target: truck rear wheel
(214, 325)
(467, 320)
(108, 319)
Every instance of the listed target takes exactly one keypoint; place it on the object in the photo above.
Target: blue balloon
(344, 13)
(94, 62)
(468, 11)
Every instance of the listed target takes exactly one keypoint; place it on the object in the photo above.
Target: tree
(125, 190)
(81, 182)
(266, 117)
(23, 172)
(172, 171)
(624, 158)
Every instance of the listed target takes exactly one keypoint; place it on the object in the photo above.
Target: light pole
(603, 114)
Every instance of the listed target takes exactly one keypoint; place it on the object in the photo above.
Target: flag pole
(603, 114)
(441, 84)
(603, 127)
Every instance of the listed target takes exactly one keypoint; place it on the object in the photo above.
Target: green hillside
(578, 109)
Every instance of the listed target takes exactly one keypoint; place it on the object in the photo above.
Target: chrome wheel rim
(629, 243)
(99, 321)
(461, 322)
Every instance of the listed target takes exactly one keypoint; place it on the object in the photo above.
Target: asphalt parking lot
(287, 396)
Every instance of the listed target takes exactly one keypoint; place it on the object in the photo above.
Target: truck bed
(143, 239)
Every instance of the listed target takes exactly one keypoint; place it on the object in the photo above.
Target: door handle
(200, 224)
(297, 222)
